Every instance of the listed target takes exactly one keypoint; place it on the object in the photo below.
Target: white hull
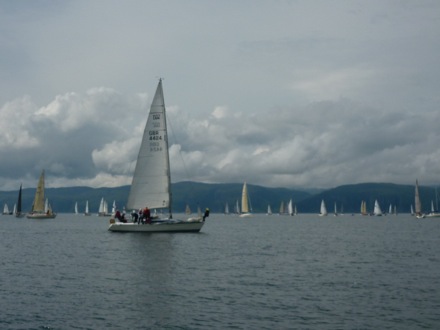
(158, 227)
(245, 215)
(40, 216)
(433, 215)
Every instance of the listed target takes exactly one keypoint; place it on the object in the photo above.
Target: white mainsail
(269, 210)
(290, 207)
(5, 209)
(151, 180)
(377, 210)
(86, 211)
(418, 204)
(323, 210)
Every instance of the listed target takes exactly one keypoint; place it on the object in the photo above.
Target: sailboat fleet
(41, 209)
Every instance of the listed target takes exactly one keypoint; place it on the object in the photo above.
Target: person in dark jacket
(206, 214)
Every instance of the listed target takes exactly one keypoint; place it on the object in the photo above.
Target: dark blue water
(305, 272)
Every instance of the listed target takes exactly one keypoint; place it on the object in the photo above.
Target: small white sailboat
(237, 207)
(377, 210)
(269, 210)
(6, 210)
(151, 184)
(86, 210)
(335, 213)
(417, 203)
(245, 204)
(41, 208)
(76, 208)
(114, 207)
(282, 210)
(434, 210)
(226, 208)
(290, 207)
(323, 210)
(103, 208)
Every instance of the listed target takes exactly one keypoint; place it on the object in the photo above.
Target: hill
(215, 196)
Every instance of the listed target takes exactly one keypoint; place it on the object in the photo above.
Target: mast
(418, 204)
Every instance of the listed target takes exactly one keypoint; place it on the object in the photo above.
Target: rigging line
(180, 150)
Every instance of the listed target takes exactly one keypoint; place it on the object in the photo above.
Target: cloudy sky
(277, 93)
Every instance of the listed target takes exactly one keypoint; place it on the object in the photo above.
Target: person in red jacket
(147, 215)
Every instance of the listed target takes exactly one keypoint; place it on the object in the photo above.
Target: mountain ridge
(216, 195)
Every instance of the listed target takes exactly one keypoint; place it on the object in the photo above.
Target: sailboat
(103, 208)
(17, 211)
(377, 210)
(364, 208)
(269, 210)
(335, 213)
(226, 209)
(6, 210)
(245, 208)
(151, 184)
(417, 203)
(434, 210)
(290, 207)
(86, 210)
(282, 211)
(237, 207)
(76, 208)
(41, 208)
(323, 210)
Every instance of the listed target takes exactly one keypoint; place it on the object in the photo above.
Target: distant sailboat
(6, 210)
(86, 210)
(417, 203)
(103, 208)
(434, 210)
(269, 210)
(323, 210)
(41, 208)
(17, 210)
(76, 208)
(364, 208)
(226, 208)
(114, 207)
(377, 210)
(187, 210)
(237, 207)
(282, 211)
(245, 207)
(290, 207)
(335, 213)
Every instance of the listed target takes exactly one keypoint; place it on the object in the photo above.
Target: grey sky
(277, 93)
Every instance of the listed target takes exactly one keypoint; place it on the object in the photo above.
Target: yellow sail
(38, 205)
(244, 199)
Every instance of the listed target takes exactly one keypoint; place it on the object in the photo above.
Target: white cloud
(291, 93)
